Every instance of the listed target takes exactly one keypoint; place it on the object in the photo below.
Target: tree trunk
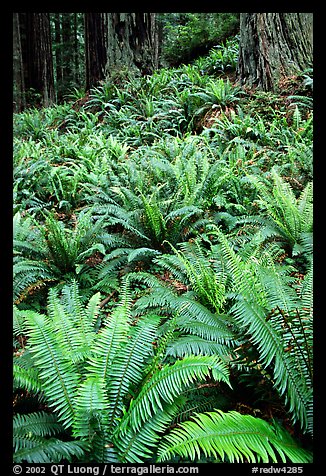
(58, 55)
(68, 50)
(273, 46)
(115, 41)
(95, 48)
(37, 58)
(75, 50)
(18, 72)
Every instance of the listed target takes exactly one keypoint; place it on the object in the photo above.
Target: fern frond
(111, 336)
(289, 215)
(76, 311)
(48, 450)
(251, 310)
(70, 336)
(305, 207)
(30, 275)
(305, 291)
(142, 253)
(25, 375)
(27, 238)
(214, 326)
(38, 424)
(184, 213)
(18, 321)
(91, 407)
(139, 446)
(92, 309)
(168, 383)
(191, 260)
(195, 345)
(128, 367)
(233, 437)
(154, 221)
(57, 374)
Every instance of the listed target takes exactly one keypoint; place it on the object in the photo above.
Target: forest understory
(163, 271)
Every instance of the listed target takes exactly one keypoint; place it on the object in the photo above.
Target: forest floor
(183, 202)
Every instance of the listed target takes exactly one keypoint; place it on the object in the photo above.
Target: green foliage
(217, 94)
(268, 308)
(187, 35)
(220, 59)
(191, 264)
(289, 218)
(50, 252)
(105, 395)
(163, 267)
(232, 437)
(34, 441)
(87, 377)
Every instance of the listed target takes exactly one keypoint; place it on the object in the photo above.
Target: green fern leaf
(251, 310)
(168, 383)
(91, 407)
(59, 378)
(139, 446)
(232, 437)
(111, 336)
(195, 345)
(25, 375)
(51, 450)
(38, 424)
(128, 367)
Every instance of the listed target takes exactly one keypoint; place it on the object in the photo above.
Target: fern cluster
(113, 395)
(163, 232)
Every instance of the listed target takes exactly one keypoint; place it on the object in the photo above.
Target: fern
(290, 218)
(197, 329)
(49, 450)
(30, 276)
(34, 442)
(233, 438)
(90, 408)
(217, 93)
(204, 280)
(108, 340)
(251, 310)
(139, 446)
(25, 375)
(194, 345)
(40, 424)
(112, 389)
(53, 252)
(59, 380)
(128, 368)
(73, 331)
(168, 382)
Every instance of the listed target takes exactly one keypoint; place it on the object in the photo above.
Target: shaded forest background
(180, 38)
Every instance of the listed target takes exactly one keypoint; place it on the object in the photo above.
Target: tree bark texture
(273, 46)
(37, 56)
(95, 48)
(120, 40)
(68, 50)
(18, 71)
(58, 55)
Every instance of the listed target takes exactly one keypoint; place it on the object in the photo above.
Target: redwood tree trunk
(95, 48)
(58, 55)
(115, 41)
(37, 57)
(273, 46)
(67, 51)
(18, 71)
